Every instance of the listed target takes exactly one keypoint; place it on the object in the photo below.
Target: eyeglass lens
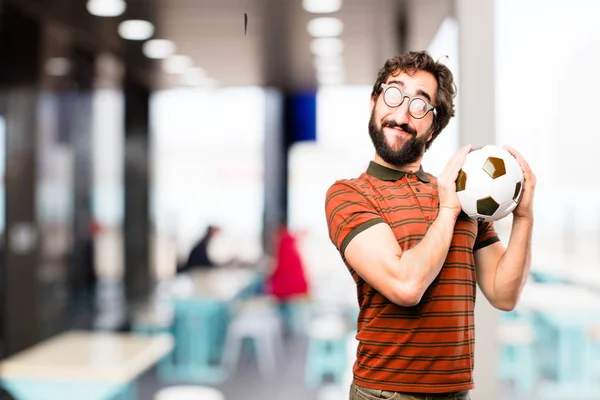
(394, 98)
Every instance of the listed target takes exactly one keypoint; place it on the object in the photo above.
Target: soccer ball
(490, 183)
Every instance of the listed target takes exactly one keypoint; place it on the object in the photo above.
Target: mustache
(404, 127)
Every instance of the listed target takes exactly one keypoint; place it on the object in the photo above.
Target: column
(79, 106)
(276, 78)
(19, 46)
(137, 223)
(422, 19)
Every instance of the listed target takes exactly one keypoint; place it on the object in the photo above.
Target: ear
(371, 105)
(430, 135)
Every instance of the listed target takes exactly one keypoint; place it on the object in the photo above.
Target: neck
(413, 167)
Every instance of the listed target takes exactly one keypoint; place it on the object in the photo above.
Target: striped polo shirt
(427, 348)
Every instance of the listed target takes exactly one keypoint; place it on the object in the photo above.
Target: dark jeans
(361, 393)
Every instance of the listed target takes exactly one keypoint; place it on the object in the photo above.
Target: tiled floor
(288, 383)
(248, 384)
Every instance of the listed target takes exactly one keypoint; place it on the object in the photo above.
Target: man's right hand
(447, 181)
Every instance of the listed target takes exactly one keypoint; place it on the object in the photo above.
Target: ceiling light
(325, 27)
(327, 47)
(197, 77)
(193, 76)
(329, 75)
(58, 66)
(330, 79)
(136, 29)
(331, 82)
(208, 83)
(196, 72)
(331, 69)
(322, 6)
(177, 64)
(205, 81)
(328, 63)
(106, 8)
(158, 48)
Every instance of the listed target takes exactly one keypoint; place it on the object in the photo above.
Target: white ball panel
(474, 216)
(504, 210)
(467, 202)
(503, 189)
(474, 160)
(479, 183)
(513, 168)
(495, 151)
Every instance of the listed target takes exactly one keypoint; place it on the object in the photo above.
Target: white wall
(207, 167)
(547, 55)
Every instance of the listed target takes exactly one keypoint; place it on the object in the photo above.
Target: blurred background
(163, 167)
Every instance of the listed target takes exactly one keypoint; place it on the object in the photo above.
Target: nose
(401, 114)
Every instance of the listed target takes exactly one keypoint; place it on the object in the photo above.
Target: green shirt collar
(387, 174)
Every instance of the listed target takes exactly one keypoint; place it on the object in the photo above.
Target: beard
(411, 150)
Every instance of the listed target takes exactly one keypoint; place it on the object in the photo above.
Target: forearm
(513, 268)
(419, 266)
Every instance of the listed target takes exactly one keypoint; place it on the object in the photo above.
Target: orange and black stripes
(427, 348)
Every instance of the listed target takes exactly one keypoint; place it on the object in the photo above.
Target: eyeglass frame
(385, 87)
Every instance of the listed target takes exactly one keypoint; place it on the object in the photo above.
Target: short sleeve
(486, 235)
(348, 213)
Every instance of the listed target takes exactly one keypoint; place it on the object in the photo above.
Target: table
(201, 301)
(581, 274)
(82, 365)
(221, 284)
(558, 298)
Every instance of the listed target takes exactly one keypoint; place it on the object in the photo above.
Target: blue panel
(302, 123)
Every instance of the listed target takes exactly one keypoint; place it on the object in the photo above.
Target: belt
(386, 394)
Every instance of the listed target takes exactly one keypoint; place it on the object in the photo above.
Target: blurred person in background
(414, 256)
(214, 249)
(287, 279)
(199, 255)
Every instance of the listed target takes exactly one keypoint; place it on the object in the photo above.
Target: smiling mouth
(398, 131)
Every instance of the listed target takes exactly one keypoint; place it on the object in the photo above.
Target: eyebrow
(419, 91)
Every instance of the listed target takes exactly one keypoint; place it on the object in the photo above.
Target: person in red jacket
(287, 282)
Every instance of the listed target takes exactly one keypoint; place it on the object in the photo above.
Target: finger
(460, 157)
(464, 150)
(451, 164)
(450, 171)
(522, 162)
(530, 179)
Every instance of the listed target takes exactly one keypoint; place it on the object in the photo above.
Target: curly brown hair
(412, 62)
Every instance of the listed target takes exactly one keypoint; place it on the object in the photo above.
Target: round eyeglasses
(393, 96)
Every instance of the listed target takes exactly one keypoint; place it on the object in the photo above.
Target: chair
(594, 354)
(188, 392)
(258, 321)
(327, 350)
(151, 322)
(198, 330)
(517, 363)
(295, 312)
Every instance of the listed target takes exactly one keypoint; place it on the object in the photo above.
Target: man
(414, 256)
(199, 257)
